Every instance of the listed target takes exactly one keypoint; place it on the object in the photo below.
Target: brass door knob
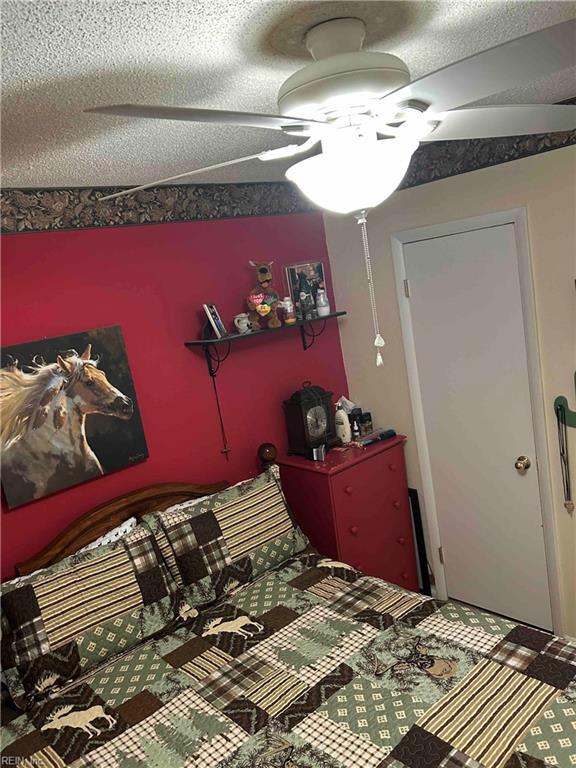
(522, 464)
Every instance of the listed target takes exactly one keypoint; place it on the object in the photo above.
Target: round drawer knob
(396, 504)
(401, 540)
(404, 575)
(354, 530)
(392, 467)
(348, 489)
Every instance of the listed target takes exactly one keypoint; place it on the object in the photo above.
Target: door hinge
(406, 289)
(441, 554)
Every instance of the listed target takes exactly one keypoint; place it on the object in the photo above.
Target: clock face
(317, 421)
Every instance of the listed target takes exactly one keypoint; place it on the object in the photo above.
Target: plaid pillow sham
(81, 612)
(116, 533)
(215, 544)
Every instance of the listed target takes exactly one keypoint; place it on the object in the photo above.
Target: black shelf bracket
(308, 334)
(213, 348)
(213, 357)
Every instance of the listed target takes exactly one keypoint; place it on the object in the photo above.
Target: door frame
(518, 218)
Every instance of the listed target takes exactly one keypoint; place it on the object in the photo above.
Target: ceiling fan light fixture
(355, 177)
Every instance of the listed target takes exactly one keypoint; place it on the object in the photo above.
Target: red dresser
(354, 507)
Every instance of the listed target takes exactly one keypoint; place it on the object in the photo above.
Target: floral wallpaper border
(39, 210)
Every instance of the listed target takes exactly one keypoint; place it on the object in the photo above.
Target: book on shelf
(215, 320)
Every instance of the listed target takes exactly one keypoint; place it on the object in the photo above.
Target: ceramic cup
(242, 323)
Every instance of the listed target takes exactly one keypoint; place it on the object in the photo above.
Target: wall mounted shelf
(211, 347)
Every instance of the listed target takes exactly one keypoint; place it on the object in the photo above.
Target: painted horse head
(89, 389)
(46, 396)
(43, 440)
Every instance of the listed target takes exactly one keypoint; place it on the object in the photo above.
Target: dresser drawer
(373, 521)
(374, 491)
(387, 554)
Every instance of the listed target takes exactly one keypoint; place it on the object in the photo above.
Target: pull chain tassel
(378, 340)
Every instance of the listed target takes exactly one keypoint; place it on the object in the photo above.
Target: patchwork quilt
(315, 665)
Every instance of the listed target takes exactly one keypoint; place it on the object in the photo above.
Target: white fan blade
(518, 120)
(269, 154)
(249, 119)
(505, 66)
(289, 150)
(180, 176)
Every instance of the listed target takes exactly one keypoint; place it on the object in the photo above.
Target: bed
(248, 649)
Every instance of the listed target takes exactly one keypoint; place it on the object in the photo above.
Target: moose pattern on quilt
(315, 665)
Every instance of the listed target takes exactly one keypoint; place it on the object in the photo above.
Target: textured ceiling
(61, 56)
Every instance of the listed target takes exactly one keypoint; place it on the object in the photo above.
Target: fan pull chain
(378, 340)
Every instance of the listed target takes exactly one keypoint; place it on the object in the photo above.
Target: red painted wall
(151, 280)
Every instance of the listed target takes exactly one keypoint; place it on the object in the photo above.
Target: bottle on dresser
(342, 422)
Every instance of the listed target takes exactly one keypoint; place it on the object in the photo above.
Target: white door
(467, 322)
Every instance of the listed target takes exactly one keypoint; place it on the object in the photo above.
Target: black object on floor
(420, 543)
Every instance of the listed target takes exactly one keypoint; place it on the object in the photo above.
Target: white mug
(242, 323)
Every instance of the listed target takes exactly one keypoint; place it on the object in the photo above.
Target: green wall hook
(562, 401)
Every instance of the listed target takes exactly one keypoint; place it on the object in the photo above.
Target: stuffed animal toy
(263, 301)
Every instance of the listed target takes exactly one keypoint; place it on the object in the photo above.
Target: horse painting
(43, 431)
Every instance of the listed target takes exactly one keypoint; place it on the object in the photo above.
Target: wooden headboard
(102, 519)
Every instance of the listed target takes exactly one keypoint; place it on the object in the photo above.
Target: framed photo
(70, 411)
(311, 272)
(215, 320)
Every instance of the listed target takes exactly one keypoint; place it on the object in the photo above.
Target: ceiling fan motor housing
(341, 82)
(342, 77)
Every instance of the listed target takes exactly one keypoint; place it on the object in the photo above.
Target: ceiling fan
(369, 118)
